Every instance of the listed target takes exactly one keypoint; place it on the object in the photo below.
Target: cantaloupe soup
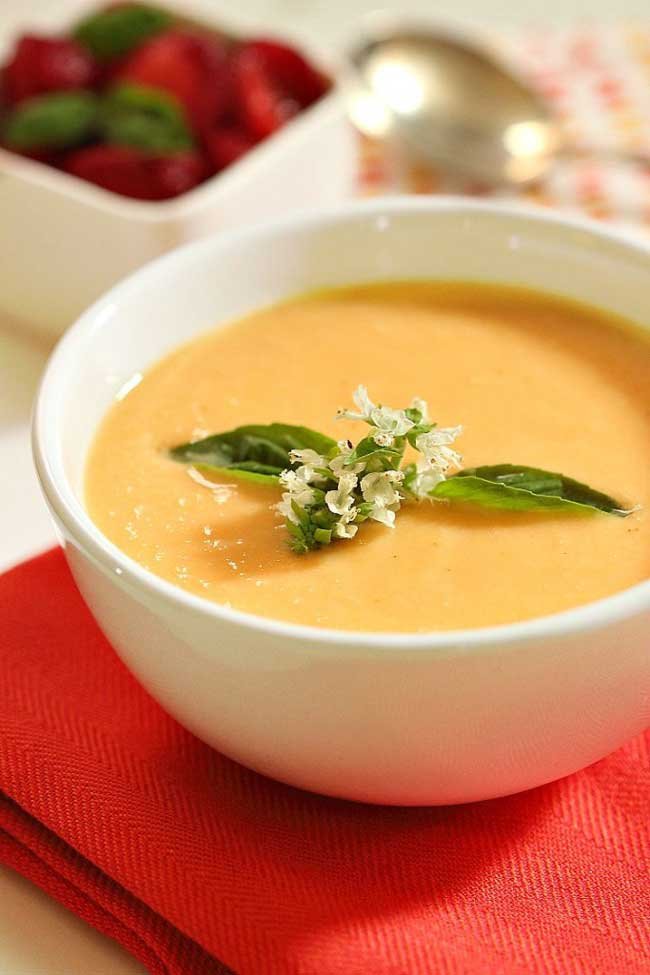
(533, 379)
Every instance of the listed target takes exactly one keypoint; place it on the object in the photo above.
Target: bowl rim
(125, 572)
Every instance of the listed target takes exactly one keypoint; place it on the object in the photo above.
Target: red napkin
(185, 857)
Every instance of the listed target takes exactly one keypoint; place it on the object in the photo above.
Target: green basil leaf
(293, 438)
(57, 121)
(146, 118)
(375, 457)
(410, 473)
(253, 474)
(113, 32)
(268, 445)
(512, 487)
(419, 428)
(323, 536)
(414, 414)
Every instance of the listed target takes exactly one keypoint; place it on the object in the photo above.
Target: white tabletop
(37, 936)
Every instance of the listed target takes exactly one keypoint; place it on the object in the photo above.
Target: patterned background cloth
(597, 81)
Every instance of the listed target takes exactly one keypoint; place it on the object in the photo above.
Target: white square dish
(63, 241)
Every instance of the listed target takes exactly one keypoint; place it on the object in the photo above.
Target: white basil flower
(381, 488)
(302, 499)
(285, 509)
(345, 527)
(385, 516)
(383, 439)
(363, 403)
(423, 407)
(389, 423)
(426, 479)
(341, 500)
(292, 481)
(307, 456)
(436, 450)
(394, 422)
(309, 461)
(381, 491)
(298, 491)
(339, 464)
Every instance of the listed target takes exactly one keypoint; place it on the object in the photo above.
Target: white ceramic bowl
(388, 718)
(63, 242)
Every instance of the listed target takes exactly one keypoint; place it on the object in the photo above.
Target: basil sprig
(113, 32)
(330, 489)
(259, 453)
(256, 452)
(510, 487)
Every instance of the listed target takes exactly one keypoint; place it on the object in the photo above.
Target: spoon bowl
(449, 102)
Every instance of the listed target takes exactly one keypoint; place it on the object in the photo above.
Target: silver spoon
(448, 101)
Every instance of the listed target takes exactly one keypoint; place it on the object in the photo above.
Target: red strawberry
(42, 64)
(42, 156)
(226, 145)
(262, 107)
(193, 67)
(290, 71)
(133, 173)
(177, 173)
(272, 83)
(117, 168)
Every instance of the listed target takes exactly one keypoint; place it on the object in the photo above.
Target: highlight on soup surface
(493, 466)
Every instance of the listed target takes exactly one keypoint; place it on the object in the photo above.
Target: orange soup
(533, 380)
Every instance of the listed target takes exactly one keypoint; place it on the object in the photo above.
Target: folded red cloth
(185, 857)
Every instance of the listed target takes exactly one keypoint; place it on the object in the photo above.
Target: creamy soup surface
(533, 380)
